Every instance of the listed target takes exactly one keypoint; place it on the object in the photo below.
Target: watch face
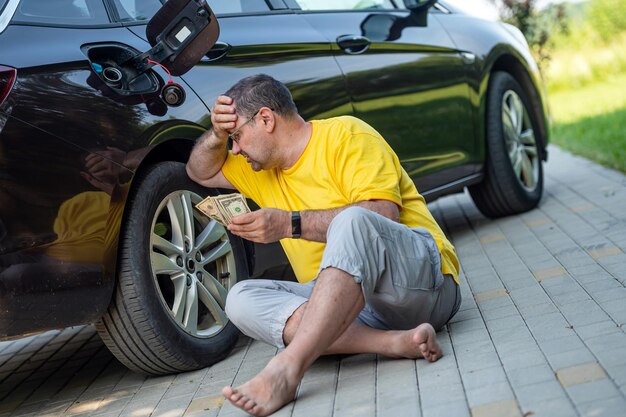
(295, 224)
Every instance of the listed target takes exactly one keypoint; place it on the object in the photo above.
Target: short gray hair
(261, 90)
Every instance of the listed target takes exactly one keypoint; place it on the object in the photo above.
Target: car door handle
(353, 44)
(219, 50)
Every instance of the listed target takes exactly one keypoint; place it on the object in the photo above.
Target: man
(348, 215)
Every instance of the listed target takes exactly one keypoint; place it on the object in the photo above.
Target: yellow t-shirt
(346, 161)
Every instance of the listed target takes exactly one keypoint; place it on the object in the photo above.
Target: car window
(238, 6)
(141, 10)
(344, 4)
(2, 3)
(136, 10)
(61, 12)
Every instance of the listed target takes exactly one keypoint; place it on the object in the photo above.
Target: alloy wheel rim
(520, 141)
(193, 264)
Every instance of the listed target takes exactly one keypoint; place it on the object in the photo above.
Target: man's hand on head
(262, 226)
(223, 117)
(210, 151)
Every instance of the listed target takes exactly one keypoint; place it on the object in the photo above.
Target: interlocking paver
(530, 375)
(583, 312)
(551, 272)
(548, 326)
(580, 374)
(570, 358)
(609, 407)
(505, 408)
(204, 404)
(592, 391)
(554, 407)
(484, 377)
(491, 393)
(594, 330)
(541, 330)
(528, 356)
(541, 391)
(391, 374)
(447, 409)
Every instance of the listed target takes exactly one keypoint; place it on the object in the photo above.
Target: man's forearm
(207, 157)
(314, 223)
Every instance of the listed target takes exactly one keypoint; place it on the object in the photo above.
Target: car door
(258, 36)
(406, 78)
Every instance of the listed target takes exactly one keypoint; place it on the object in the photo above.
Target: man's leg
(336, 301)
(419, 342)
(260, 307)
(362, 249)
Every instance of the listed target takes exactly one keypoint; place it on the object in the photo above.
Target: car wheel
(513, 180)
(174, 271)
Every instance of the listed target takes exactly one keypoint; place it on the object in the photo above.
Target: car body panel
(491, 42)
(410, 84)
(285, 47)
(43, 169)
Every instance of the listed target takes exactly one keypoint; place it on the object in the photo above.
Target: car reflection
(386, 27)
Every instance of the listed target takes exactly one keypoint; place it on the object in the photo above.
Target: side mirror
(418, 5)
(379, 27)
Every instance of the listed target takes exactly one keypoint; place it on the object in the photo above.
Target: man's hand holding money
(263, 226)
(223, 208)
(231, 210)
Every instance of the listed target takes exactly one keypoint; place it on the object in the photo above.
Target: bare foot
(420, 342)
(269, 390)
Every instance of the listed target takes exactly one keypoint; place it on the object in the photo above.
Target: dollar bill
(223, 208)
(232, 205)
(207, 207)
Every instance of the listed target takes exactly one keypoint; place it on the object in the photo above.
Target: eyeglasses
(234, 135)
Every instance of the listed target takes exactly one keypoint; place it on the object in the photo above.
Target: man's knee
(352, 221)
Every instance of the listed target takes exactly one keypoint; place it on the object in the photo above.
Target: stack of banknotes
(223, 208)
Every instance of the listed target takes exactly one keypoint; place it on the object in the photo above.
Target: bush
(607, 17)
(539, 27)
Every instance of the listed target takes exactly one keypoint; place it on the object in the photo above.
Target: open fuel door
(180, 33)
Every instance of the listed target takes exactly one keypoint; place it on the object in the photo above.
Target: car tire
(513, 180)
(175, 267)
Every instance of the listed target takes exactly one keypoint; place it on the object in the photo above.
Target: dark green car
(97, 216)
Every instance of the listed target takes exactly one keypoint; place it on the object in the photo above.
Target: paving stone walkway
(541, 331)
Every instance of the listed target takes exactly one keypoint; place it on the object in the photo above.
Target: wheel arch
(508, 62)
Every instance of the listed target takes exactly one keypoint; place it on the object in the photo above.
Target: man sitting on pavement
(376, 273)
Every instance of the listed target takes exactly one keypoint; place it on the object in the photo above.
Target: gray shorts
(399, 270)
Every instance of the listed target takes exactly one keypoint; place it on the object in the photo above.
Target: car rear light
(7, 79)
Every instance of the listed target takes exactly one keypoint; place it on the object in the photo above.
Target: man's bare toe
(231, 394)
(241, 402)
(248, 405)
(426, 337)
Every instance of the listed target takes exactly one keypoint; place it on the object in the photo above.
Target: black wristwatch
(296, 228)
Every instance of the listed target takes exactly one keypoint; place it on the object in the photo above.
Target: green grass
(591, 121)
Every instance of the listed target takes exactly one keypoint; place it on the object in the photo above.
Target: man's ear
(268, 118)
